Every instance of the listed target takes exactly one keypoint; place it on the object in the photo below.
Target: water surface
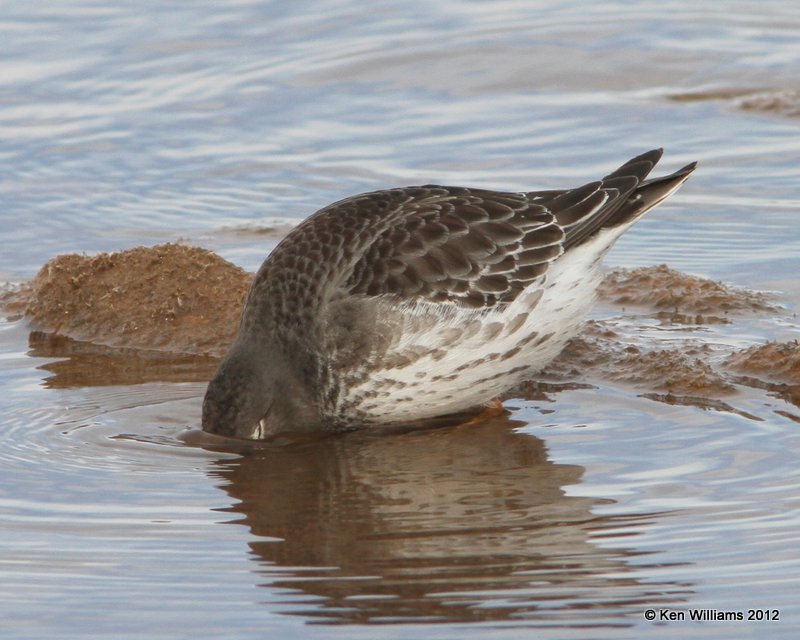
(141, 123)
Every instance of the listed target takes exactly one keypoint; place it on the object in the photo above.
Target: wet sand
(780, 102)
(169, 297)
(177, 306)
(680, 297)
(777, 361)
(599, 353)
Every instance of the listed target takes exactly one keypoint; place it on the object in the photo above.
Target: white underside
(450, 374)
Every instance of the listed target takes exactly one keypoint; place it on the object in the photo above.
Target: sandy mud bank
(179, 299)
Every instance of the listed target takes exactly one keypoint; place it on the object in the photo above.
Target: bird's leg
(492, 409)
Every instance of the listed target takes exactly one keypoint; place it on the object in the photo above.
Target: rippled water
(141, 122)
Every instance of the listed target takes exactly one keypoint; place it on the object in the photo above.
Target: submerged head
(254, 395)
(239, 397)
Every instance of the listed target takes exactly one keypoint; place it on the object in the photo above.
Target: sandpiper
(400, 305)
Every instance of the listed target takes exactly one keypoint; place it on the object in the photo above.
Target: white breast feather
(442, 380)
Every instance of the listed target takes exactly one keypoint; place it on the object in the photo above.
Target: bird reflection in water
(455, 524)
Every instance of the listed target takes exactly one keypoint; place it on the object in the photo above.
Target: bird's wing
(476, 247)
(468, 246)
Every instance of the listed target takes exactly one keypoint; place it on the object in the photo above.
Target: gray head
(254, 394)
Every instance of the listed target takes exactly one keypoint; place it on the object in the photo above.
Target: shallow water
(138, 123)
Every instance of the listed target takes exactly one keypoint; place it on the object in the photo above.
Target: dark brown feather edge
(481, 248)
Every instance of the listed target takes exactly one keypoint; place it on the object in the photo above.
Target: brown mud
(776, 361)
(780, 102)
(170, 311)
(169, 297)
(679, 296)
(783, 103)
(600, 353)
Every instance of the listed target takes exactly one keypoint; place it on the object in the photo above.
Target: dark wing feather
(577, 210)
(467, 246)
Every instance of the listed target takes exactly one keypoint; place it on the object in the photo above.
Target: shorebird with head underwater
(406, 304)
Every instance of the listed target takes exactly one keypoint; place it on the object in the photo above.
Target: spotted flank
(411, 303)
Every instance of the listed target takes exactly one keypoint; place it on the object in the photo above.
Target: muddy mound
(185, 299)
(181, 300)
(782, 103)
(14, 299)
(715, 93)
(773, 361)
(600, 353)
(688, 298)
(169, 297)
(669, 370)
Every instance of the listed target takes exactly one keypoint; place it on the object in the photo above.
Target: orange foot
(493, 409)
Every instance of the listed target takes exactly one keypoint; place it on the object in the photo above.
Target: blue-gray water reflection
(140, 122)
(465, 524)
